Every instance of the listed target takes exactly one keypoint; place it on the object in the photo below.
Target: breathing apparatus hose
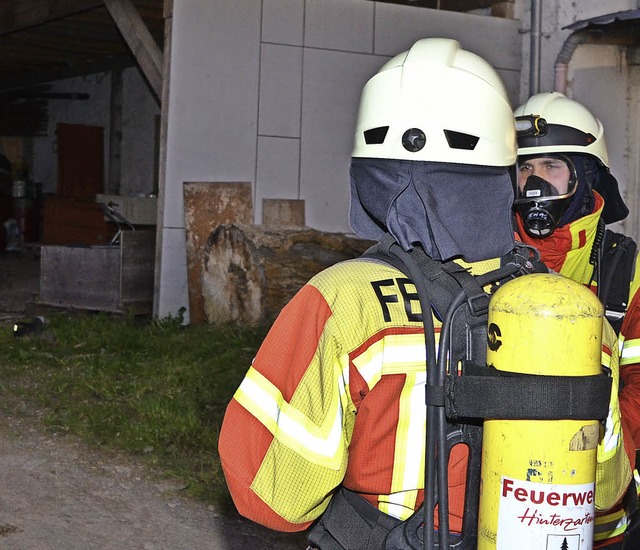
(436, 471)
(430, 348)
(441, 434)
(595, 258)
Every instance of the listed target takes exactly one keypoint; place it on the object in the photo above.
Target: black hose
(430, 349)
(443, 458)
(595, 257)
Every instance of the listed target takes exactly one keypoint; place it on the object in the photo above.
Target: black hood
(451, 210)
(592, 175)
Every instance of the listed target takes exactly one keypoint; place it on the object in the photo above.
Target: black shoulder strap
(448, 278)
(616, 272)
(442, 287)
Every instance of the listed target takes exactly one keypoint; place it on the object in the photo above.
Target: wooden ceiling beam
(17, 16)
(140, 41)
(51, 73)
(450, 5)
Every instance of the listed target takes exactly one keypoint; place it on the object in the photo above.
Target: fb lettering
(390, 291)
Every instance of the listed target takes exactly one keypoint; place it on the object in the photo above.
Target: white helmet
(422, 105)
(550, 122)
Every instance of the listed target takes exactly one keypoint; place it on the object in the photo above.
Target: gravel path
(56, 493)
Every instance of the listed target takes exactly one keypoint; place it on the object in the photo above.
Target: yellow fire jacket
(335, 395)
(567, 251)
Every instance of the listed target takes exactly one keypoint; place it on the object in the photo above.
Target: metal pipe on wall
(534, 52)
(564, 56)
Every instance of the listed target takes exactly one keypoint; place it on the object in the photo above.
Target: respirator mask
(541, 201)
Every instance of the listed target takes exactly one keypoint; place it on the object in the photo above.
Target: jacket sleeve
(616, 453)
(630, 366)
(284, 438)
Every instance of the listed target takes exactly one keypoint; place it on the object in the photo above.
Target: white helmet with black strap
(550, 122)
(551, 125)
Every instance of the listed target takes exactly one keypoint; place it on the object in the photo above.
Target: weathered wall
(267, 92)
(138, 129)
(599, 76)
(252, 271)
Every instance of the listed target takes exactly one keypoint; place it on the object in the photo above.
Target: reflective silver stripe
(614, 315)
(615, 526)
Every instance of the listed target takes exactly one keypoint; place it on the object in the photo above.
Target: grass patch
(157, 389)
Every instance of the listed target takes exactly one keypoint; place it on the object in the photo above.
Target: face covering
(542, 208)
(583, 200)
(450, 210)
(539, 216)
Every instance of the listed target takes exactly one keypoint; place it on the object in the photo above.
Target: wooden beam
(140, 42)
(465, 5)
(17, 16)
(42, 74)
(448, 5)
(160, 263)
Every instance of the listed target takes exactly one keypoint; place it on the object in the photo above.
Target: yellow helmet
(422, 105)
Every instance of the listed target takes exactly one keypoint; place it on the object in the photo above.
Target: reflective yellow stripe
(408, 470)
(319, 444)
(391, 355)
(397, 353)
(615, 523)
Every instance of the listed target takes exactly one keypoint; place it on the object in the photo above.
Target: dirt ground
(57, 493)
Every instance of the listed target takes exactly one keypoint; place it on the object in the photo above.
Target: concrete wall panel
(339, 25)
(283, 21)
(496, 39)
(280, 91)
(332, 85)
(278, 170)
(214, 97)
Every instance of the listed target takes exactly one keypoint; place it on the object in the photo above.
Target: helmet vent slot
(375, 136)
(460, 140)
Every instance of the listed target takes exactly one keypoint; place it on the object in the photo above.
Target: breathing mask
(546, 186)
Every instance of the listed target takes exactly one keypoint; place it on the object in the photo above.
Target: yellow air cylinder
(538, 476)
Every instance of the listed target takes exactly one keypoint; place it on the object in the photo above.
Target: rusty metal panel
(208, 205)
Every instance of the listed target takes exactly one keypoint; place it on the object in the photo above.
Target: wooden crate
(114, 278)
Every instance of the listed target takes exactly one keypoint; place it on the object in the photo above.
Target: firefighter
(328, 426)
(564, 197)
